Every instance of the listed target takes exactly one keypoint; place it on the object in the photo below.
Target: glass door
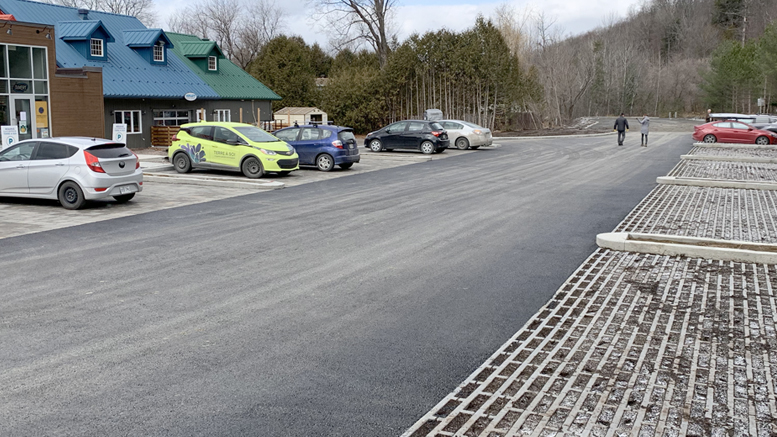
(22, 117)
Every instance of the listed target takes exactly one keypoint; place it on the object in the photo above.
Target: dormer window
(159, 52)
(213, 63)
(96, 46)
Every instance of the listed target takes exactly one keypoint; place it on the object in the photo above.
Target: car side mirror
(750, 129)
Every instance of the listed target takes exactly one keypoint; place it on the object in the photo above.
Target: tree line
(515, 69)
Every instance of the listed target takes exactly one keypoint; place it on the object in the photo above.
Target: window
(22, 152)
(722, 125)
(223, 115)
(213, 63)
(203, 132)
(309, 134)
(288, 134)
(170, 117)
(159, 52)
(130, 118)
(97, 47)
(451, 125)
(415, 127)
(396, 127)
(739, 126)
(54, 151)
(224, 135)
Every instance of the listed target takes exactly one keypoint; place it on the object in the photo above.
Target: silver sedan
(465, 135)
(71, 170)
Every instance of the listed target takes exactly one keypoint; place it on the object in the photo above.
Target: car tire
(475, 147)
(124, 198)
(427, 148)
(252, 167)
(325, 162)
(376, 145)
(182, 163)
(762, 141)
(709, 138)
(70, 195)
(346, 166)
(462, 143)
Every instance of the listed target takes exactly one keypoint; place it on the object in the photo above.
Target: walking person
(645, 122)
(621, 125)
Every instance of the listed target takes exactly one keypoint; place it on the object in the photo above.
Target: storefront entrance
(22, 116)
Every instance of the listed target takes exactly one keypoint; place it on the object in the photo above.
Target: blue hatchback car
(322, 146)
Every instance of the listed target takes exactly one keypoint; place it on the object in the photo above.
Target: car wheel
(70, 195)
(182, 163)
(762, 141)
(375, 145)
(124, 198)
(475, 147)
(462, 143)
(710, 138)
(346, 166)
(252, 168)
(427, 147)
(325, 162)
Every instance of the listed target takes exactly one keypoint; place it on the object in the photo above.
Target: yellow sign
(41, 114)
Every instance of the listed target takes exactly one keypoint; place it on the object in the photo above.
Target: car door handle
(20, 166)
(59, 164)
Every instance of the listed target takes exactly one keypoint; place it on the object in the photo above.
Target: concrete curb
(735, 145)
(212, 182)
(729, 158)
(692, 247)
(716, 183)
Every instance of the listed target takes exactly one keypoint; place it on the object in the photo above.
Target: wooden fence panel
(162, 136)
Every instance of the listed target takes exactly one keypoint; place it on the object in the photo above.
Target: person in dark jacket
(621, 125)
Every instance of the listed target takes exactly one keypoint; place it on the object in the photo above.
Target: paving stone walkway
(643, 345)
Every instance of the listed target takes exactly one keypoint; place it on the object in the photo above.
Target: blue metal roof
(145, 37)
(125, 74)
(80, 30)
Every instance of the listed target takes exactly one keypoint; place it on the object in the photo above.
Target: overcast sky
(416, 16)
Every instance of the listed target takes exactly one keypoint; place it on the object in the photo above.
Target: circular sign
(190, 97)
(20, 87)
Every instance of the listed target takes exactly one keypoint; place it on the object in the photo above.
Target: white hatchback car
(71, 170)
(465, 135)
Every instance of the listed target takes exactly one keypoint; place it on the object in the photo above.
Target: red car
(732, 131)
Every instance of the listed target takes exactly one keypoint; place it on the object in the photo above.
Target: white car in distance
(465, 135)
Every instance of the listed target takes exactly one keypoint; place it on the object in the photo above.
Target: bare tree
(143, 10)
(240, 35)
(354, 21)
(514, 24)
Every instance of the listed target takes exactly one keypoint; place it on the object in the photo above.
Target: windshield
(256, 135)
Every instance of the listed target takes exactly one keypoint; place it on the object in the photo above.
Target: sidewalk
(643, 344)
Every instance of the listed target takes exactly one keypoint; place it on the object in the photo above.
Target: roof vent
(84, 13)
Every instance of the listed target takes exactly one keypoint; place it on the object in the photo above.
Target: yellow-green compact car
(231, 146)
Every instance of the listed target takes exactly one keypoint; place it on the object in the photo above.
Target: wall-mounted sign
(190, 97)
(20, 87)
(10, 135)
(120, 133)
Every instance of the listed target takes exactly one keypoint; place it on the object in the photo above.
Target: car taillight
(137, 161)
(175, 137)
(93, 163)
(338, 144)
(436, 133)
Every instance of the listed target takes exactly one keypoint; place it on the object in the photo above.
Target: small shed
(289, 115)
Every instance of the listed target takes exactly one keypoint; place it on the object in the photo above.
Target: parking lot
(164, 188)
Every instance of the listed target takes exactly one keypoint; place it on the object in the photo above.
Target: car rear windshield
(256, 135)
(435, 126)
(346, 136)
(110, 150)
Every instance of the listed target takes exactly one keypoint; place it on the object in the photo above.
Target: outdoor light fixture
(48, 36)
(9, 31)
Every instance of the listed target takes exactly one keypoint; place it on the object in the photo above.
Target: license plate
(127, 189)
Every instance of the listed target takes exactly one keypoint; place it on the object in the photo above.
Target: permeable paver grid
(632, 344)
(735, 171)
(721, 213)
(733, 152)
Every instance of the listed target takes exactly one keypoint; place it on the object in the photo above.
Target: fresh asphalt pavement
(343, 307)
